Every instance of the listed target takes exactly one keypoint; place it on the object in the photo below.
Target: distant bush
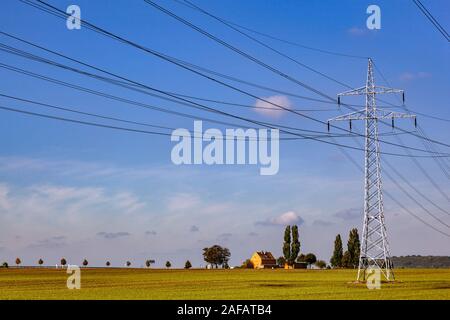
(247, 264)
(5, 265)
(321, 264)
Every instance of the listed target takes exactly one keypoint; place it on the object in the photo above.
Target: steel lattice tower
(374, 251)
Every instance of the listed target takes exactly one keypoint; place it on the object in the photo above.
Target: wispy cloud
(356, 31)
(50, 243)
(194, 229)
(321, 223)
(283, 219)
(224, 236)
(271, 110)
(411, 76)
(349, 214)
(150, 233)
(113, 235)
(182, 201)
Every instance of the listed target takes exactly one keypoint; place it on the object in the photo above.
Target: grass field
(102, 283)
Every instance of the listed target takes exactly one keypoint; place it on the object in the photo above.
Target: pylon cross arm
(366, 90)
(378, 114)
(354, 92)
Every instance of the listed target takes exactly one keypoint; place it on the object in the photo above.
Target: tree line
(216, 256)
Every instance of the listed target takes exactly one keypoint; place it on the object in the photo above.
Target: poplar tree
(353, 247)
(287, 244)
(336, 259)
(295, 245)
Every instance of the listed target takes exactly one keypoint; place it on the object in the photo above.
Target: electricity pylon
(374, 253)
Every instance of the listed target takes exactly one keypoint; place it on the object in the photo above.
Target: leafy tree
(310, 258)
(40, 262)
(108, 263)
(295, 245)
(247, 264)
(5, 265)
(128, 263)
(321, 264)
(336, 259)
(85, 263)
(281, 261)
(168, 264)
(187, 265)
(18, 261)
(148, 263)
(287, 244)
(63, 262)
(301, 258)
(216, 255)
(346, 260)
(353, 247)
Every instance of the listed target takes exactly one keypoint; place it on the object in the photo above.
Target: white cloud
(283, 219)
(270, 110)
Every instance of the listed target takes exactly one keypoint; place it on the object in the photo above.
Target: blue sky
(83, 192)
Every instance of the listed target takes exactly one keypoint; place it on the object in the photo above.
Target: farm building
(296, 265)
(263, 259)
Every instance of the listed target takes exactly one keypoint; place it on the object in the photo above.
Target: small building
(296, 265)
(263, 260)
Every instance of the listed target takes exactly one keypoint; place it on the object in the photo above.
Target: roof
(265, 255)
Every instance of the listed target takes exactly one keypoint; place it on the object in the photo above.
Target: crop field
(122, 283)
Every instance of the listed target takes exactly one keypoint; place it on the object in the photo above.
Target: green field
(102, 283)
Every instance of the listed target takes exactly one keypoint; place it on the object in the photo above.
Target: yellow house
(263, 259)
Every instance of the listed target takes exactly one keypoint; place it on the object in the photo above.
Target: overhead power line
(192, 6)
(430, 17)
(90, 26)
(90, 114)
(199, 106)
(239, 51)
(246, 55)
(266, 45)
(390, 196)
